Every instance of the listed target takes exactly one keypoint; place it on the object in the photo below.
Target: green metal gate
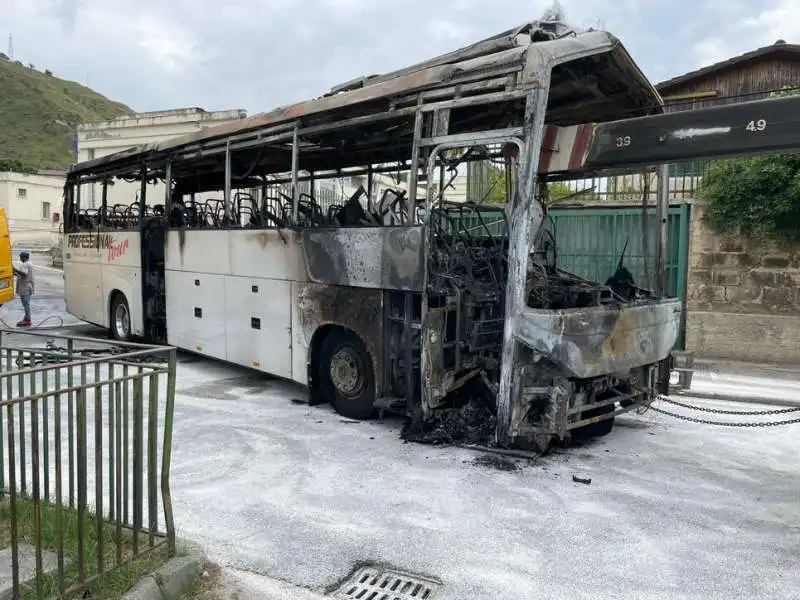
(590, 240)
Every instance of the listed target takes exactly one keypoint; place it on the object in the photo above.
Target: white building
(33, 207)
(100, 139)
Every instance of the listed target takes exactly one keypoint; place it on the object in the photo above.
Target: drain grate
(378, 583)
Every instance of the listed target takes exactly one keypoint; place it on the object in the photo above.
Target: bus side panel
(258, 324)
(366, 257)
(196, 264)
(83, 288)
(122, 272)
(82, 291)
(359, 310)
(196, 312)
(6, 262)
(95, 265)
(197, 252)
(267, 254)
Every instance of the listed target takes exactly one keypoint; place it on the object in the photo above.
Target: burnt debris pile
(470, 419)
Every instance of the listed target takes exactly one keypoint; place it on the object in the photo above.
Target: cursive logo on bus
(116, 249)
(104, 241)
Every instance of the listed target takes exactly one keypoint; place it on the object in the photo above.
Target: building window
(22, 193)
(45, 210)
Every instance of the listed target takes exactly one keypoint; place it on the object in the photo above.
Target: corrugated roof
(779, 47)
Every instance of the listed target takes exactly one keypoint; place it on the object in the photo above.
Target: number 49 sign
(759, 125)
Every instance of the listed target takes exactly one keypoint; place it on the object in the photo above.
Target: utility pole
(11, 46)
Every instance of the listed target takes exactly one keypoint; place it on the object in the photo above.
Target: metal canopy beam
(757, 127)
(468, 139)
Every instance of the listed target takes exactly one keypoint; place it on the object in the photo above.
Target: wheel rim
(122, 320)
(347, 372)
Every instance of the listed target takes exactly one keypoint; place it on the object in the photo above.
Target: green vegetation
(759, 196)
(556, 190)
(38, 116)
(114, 583)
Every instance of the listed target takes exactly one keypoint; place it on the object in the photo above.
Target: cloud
(168, 45)
(747, 25)
(442, 29)
(779, 21)
(260, 54)
(709, 51)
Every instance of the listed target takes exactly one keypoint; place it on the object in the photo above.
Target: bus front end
(576, 368)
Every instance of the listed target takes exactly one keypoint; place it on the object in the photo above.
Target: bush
(759, 196)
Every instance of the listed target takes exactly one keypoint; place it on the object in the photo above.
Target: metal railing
(85, 444)
(684, 184)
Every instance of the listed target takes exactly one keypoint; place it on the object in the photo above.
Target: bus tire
(599, 429)
(120, 322)
(345, 375)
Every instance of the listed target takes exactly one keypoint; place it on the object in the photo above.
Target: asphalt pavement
(290, 499)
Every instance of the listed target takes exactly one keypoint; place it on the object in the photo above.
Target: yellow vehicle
(6, 261)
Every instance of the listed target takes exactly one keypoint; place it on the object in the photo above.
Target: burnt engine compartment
(467, 275)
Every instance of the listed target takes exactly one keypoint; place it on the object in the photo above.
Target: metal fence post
(32, 512)
(662, 210)
(166, 456)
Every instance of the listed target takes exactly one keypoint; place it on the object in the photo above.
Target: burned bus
(408, 300)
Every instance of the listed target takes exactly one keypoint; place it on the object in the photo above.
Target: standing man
(24, 273)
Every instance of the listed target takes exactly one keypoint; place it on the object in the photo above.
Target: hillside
(32, 104)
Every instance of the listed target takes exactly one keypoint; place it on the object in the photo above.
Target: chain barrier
(724, 424)
(780, 411)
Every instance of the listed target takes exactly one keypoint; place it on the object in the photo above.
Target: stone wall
(743, 297)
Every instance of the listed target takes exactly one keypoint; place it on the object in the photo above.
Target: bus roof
(609, 86)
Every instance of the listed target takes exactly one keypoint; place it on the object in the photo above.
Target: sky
(260, 54)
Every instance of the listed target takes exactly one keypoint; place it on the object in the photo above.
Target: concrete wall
(100, 139)
(30, 202)
(743, 297)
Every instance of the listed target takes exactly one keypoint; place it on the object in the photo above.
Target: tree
(757, 196)
(496, 190)
(12, 164)
(556, 190)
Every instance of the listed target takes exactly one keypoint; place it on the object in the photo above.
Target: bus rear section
(6, 261)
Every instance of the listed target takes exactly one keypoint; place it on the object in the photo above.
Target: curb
(734, 398)
(172, 580)
(250, 586)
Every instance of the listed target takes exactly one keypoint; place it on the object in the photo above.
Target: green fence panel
(590, 241)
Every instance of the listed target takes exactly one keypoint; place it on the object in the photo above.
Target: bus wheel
(598, 429)
(345, 375)
(120, 318)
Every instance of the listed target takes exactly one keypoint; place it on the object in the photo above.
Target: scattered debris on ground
(496, 462)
